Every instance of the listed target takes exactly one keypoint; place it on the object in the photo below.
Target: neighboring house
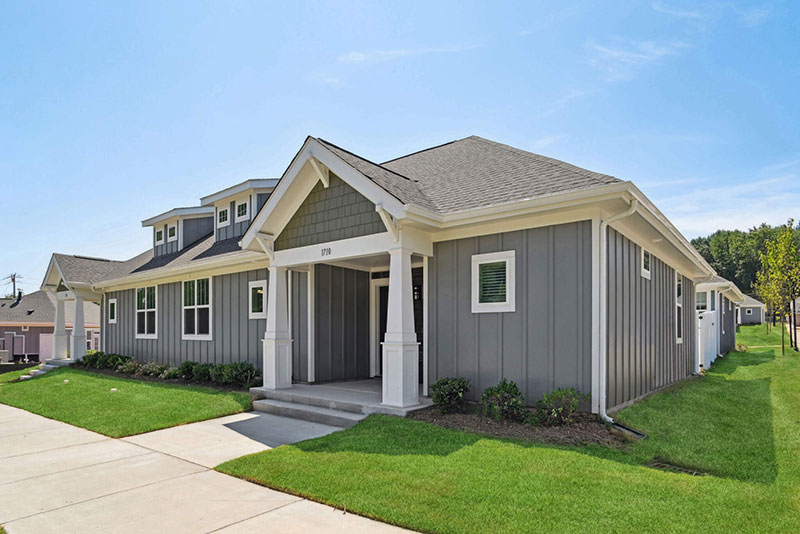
(471, 259)
(751, 311)
(27, 323)
(716, 300)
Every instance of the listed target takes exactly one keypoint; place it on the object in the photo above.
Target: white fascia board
(179, 212)
(238, 189)
(314, 149)
(52, 268)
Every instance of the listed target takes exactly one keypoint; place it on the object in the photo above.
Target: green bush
(128, 367)
(504, 401)
(243, 373)
(448, 393)
(201, 372)
(90, 360)
(221, 374)
(186, 370)
(170, 374)
(152, 369)
(558, 407)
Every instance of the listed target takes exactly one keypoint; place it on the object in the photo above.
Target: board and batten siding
(754, 318)
(545, 343)
(235, 337)
(727, 326)
(196, 229)
(169, 247)
(299, 325)
(643, 352)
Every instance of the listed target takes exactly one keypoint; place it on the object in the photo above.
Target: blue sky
(114, 112)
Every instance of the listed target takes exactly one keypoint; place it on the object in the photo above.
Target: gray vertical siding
(261, 199)
(755, 318)
(727, 326)
(545, 343)
(341, 322)
(299, 304)
(329, 214)
(168, 247)
(234, 229)
(235, 336)
(195, 229)
(643, 353)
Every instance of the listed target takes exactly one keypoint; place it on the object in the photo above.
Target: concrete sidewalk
(55, 477)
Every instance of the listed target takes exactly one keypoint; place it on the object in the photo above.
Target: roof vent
(30, 312)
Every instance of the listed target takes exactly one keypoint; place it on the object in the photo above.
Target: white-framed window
(242, 210)
(197, 309)
(112, 311)
(748, 311)
(257, 299)
(493, 282)
(147, 312)
(678, 308)
(646, 262)
(160, 236)
(222, 217)
(722, 311)
(701, 300)
(25, 328)
(172, 232)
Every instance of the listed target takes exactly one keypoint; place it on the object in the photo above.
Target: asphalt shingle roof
(39, 307)
(750, 301)
(81, 269)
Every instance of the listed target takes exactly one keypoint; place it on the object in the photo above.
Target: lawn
(739, 424)
(137, 406)
(13, 375)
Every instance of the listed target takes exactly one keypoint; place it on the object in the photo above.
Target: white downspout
(604, 303)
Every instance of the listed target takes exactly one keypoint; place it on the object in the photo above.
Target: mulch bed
(179, 381)
(584, 430)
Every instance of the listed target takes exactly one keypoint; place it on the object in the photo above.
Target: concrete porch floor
(357, 396)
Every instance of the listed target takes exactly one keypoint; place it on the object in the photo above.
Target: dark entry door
(383, 306)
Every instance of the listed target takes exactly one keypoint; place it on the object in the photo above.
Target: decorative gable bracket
(389, 222)
(323, 176)
(267, 243)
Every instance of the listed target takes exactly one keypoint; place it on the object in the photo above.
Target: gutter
(604, 303)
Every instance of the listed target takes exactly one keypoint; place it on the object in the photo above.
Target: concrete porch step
(307, 412)
(293, 396)
(37, 372)
(59, 363)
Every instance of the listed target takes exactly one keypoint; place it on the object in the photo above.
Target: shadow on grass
(730, 362)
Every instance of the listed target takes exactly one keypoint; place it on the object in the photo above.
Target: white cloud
(559, 103)
(544, 142)
(621, 61)
(680, 13)
(359, 57)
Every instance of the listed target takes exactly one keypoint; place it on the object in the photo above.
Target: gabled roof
(726, 287)
(39, 308)
(750, 302)
(262, 183)
(83, 269)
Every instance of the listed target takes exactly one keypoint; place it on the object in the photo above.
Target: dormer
(236, 206)
(180, 227)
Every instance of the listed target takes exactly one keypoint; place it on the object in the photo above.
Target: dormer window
(172, 232)
(159, 237)
(222, 218)
(243, 210)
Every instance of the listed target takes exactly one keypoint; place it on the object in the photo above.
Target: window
(701, 301)
(257, 302)
(25, 328)
(112, 311)
(749, 311)
(678, 308)
(159, 237)
(146, 312)
(222, 218)
(197, 309)
(172, 232)
(243, 210)
(646, 261)
(493, 282)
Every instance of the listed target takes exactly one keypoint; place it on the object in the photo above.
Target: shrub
(448, 393)
(201, 372)
(90, 360)
(221, 374)
(243, 373)
(170, 374)
(186, 370)
(109, 361)
(152, 369)
(558, 407)
(504, 401)
(128, 367)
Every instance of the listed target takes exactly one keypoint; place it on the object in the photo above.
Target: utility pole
(13, 277)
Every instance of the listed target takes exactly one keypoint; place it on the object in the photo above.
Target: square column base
(277, 363)
(400, 374)
(78, 349)
(60, 346)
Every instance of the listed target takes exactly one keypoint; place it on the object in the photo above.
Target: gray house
(716, 300)
(751, 311)
(471, 259)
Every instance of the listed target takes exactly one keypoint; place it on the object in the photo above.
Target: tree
(778, 281)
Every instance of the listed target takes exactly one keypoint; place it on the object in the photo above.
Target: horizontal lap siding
(235, 336)
(643, 352)
(545, 343)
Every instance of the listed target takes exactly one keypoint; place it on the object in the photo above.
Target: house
(716, 300)
(27, 325)
(471, 258)
(751, 311)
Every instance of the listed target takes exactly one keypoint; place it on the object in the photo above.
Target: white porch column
(78, 349)
(277, 341)
(60, 332)
(400, 347)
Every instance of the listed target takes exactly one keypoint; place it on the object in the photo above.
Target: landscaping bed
(583, 430)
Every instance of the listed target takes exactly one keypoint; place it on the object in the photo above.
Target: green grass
(739, 423)
(137, 406)
(13, 375)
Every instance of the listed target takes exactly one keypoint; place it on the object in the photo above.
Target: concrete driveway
(55, 477)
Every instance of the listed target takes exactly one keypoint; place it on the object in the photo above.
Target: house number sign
(326, 251)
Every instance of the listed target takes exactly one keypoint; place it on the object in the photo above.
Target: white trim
(354, 247)
(155, 235)
(109, 303)
(144, 310)
(172, 227)
(241, 218)
(210, 306)
(509, 305)
(596, 324)
(375, 350)
(25, 328)
(193, 212)
(748, 311)
(227, 221)
(250, 286)
(645, 272)
(679, 308)
(180, 234)
(260, 183)
(425, 336)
